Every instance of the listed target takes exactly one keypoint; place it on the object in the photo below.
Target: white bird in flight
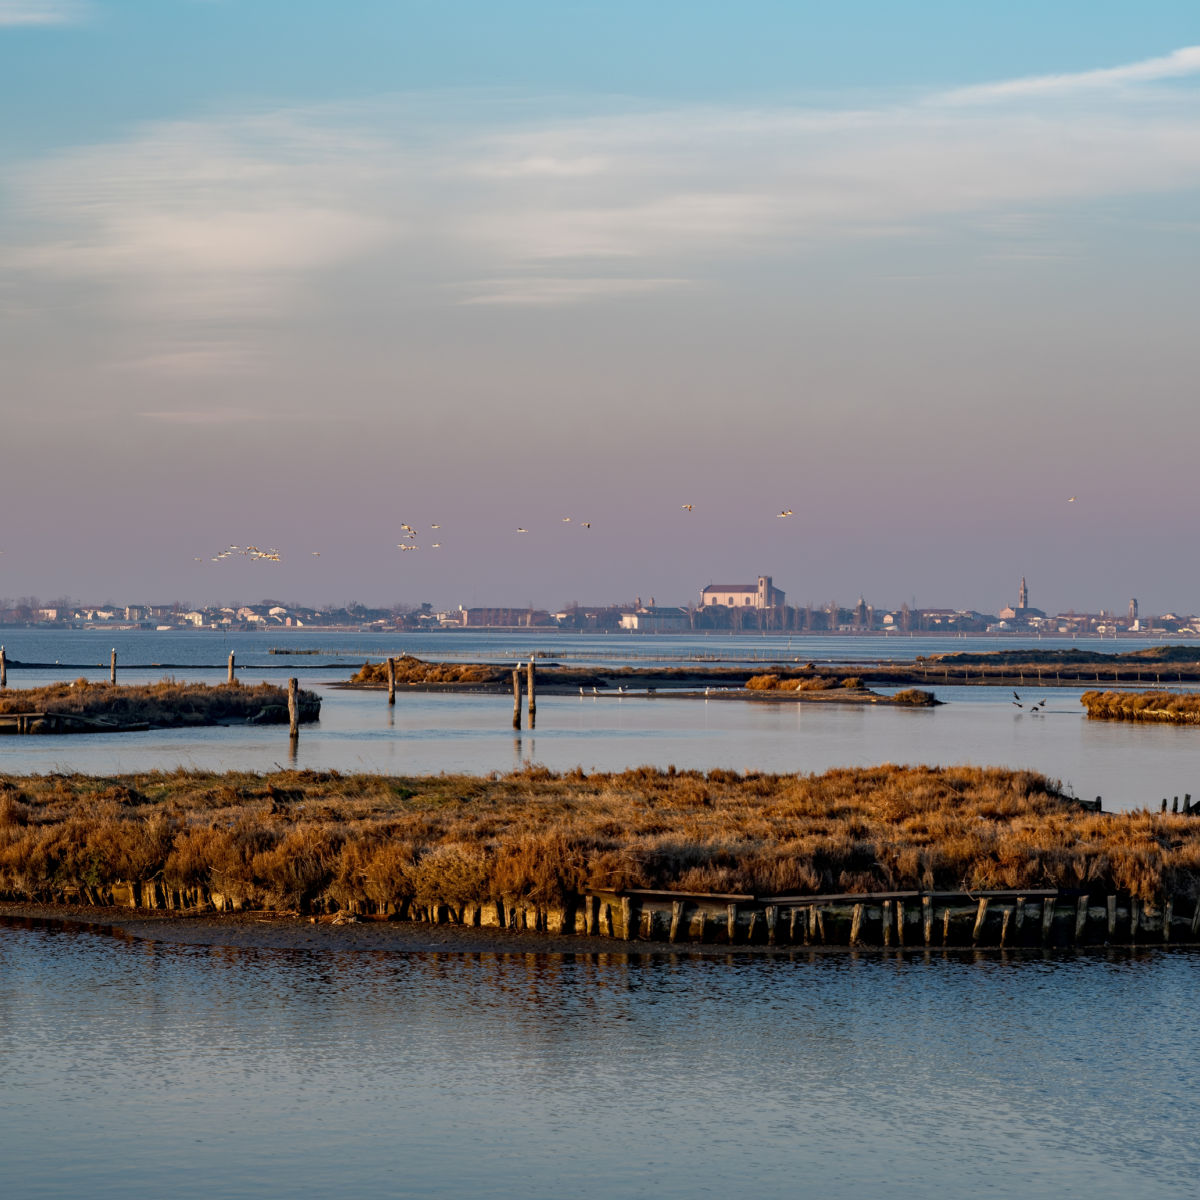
(687, 506)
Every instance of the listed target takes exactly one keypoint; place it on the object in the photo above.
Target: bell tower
(1023, 600)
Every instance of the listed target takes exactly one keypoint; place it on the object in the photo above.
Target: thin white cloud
(202, 235)
(1177, 64)
(555, 291)
(204, 416)
(41, 12)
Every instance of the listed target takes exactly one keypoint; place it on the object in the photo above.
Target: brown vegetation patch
(298, 838)
(163, 704)
(1176, 708)
(417, 670)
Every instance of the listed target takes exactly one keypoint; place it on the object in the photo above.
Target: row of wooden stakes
(1045, 918)
(531, 689)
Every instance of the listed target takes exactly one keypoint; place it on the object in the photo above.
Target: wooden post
(1135, 918)
(1081, 916)
(112, 667)
(856, 921)
(927, 905)
(980, 918)
(676, 920)
(3, 668)
(1019, 913)
(294, 707)
(1047, 918)
(899, 922)
(771, 912)
(1008, 912)
(1110, 904)
(230, 677)
(391, 672)
(731, 922)
(887, 922)
(532, 697)
(1168, 912)
(627, 928)
(516, 697)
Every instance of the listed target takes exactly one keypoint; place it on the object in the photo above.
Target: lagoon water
(426, 733)
(142, 1069)
(139, 1068)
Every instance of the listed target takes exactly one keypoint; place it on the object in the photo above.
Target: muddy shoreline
(288, 931)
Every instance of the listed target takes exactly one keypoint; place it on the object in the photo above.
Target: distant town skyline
(758, 607)
(885, 300)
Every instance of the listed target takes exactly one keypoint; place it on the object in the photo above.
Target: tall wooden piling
(294, 707)
(391, 672)
(1047, 919)
(229, 678)
(3, 668)
(676, 920)
(532, 698)
(516, 697)
(980, 918)
(112, 666)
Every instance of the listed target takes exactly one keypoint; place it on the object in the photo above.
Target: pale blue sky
(292, 273)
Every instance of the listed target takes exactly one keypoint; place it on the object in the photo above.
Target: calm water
(429, 733)
(147, 1069)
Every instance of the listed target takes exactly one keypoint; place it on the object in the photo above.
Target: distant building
(1022, 612)
(656, 620)
(762, 594)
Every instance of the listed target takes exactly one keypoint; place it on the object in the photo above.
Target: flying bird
(566, 520)
(587, 524)
(687, 506)
(787, 512)
(520, 529)
(1070, 499)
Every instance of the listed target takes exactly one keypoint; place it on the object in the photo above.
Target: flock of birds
(409, 542)
(1034, 709)
(251, 552)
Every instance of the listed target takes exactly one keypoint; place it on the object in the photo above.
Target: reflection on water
(149, 1069)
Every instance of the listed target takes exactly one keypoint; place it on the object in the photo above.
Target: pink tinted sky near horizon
(921, 323)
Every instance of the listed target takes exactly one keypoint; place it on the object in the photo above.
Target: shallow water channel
(142, 1068)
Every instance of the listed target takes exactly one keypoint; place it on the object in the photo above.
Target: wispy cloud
(41, 12)
(209, 232)
(553, 291)
(204, 416)
(1181, 62)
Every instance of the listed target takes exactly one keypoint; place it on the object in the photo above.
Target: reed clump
(304, 840)
(1175, 708)
(792, 683)
(416, 670)
(163, 704)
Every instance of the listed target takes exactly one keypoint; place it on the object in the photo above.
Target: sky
(296, 274)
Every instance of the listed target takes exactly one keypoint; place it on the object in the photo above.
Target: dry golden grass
(1177, 708)
(161, 704)
(417, 670)
(296, 837)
